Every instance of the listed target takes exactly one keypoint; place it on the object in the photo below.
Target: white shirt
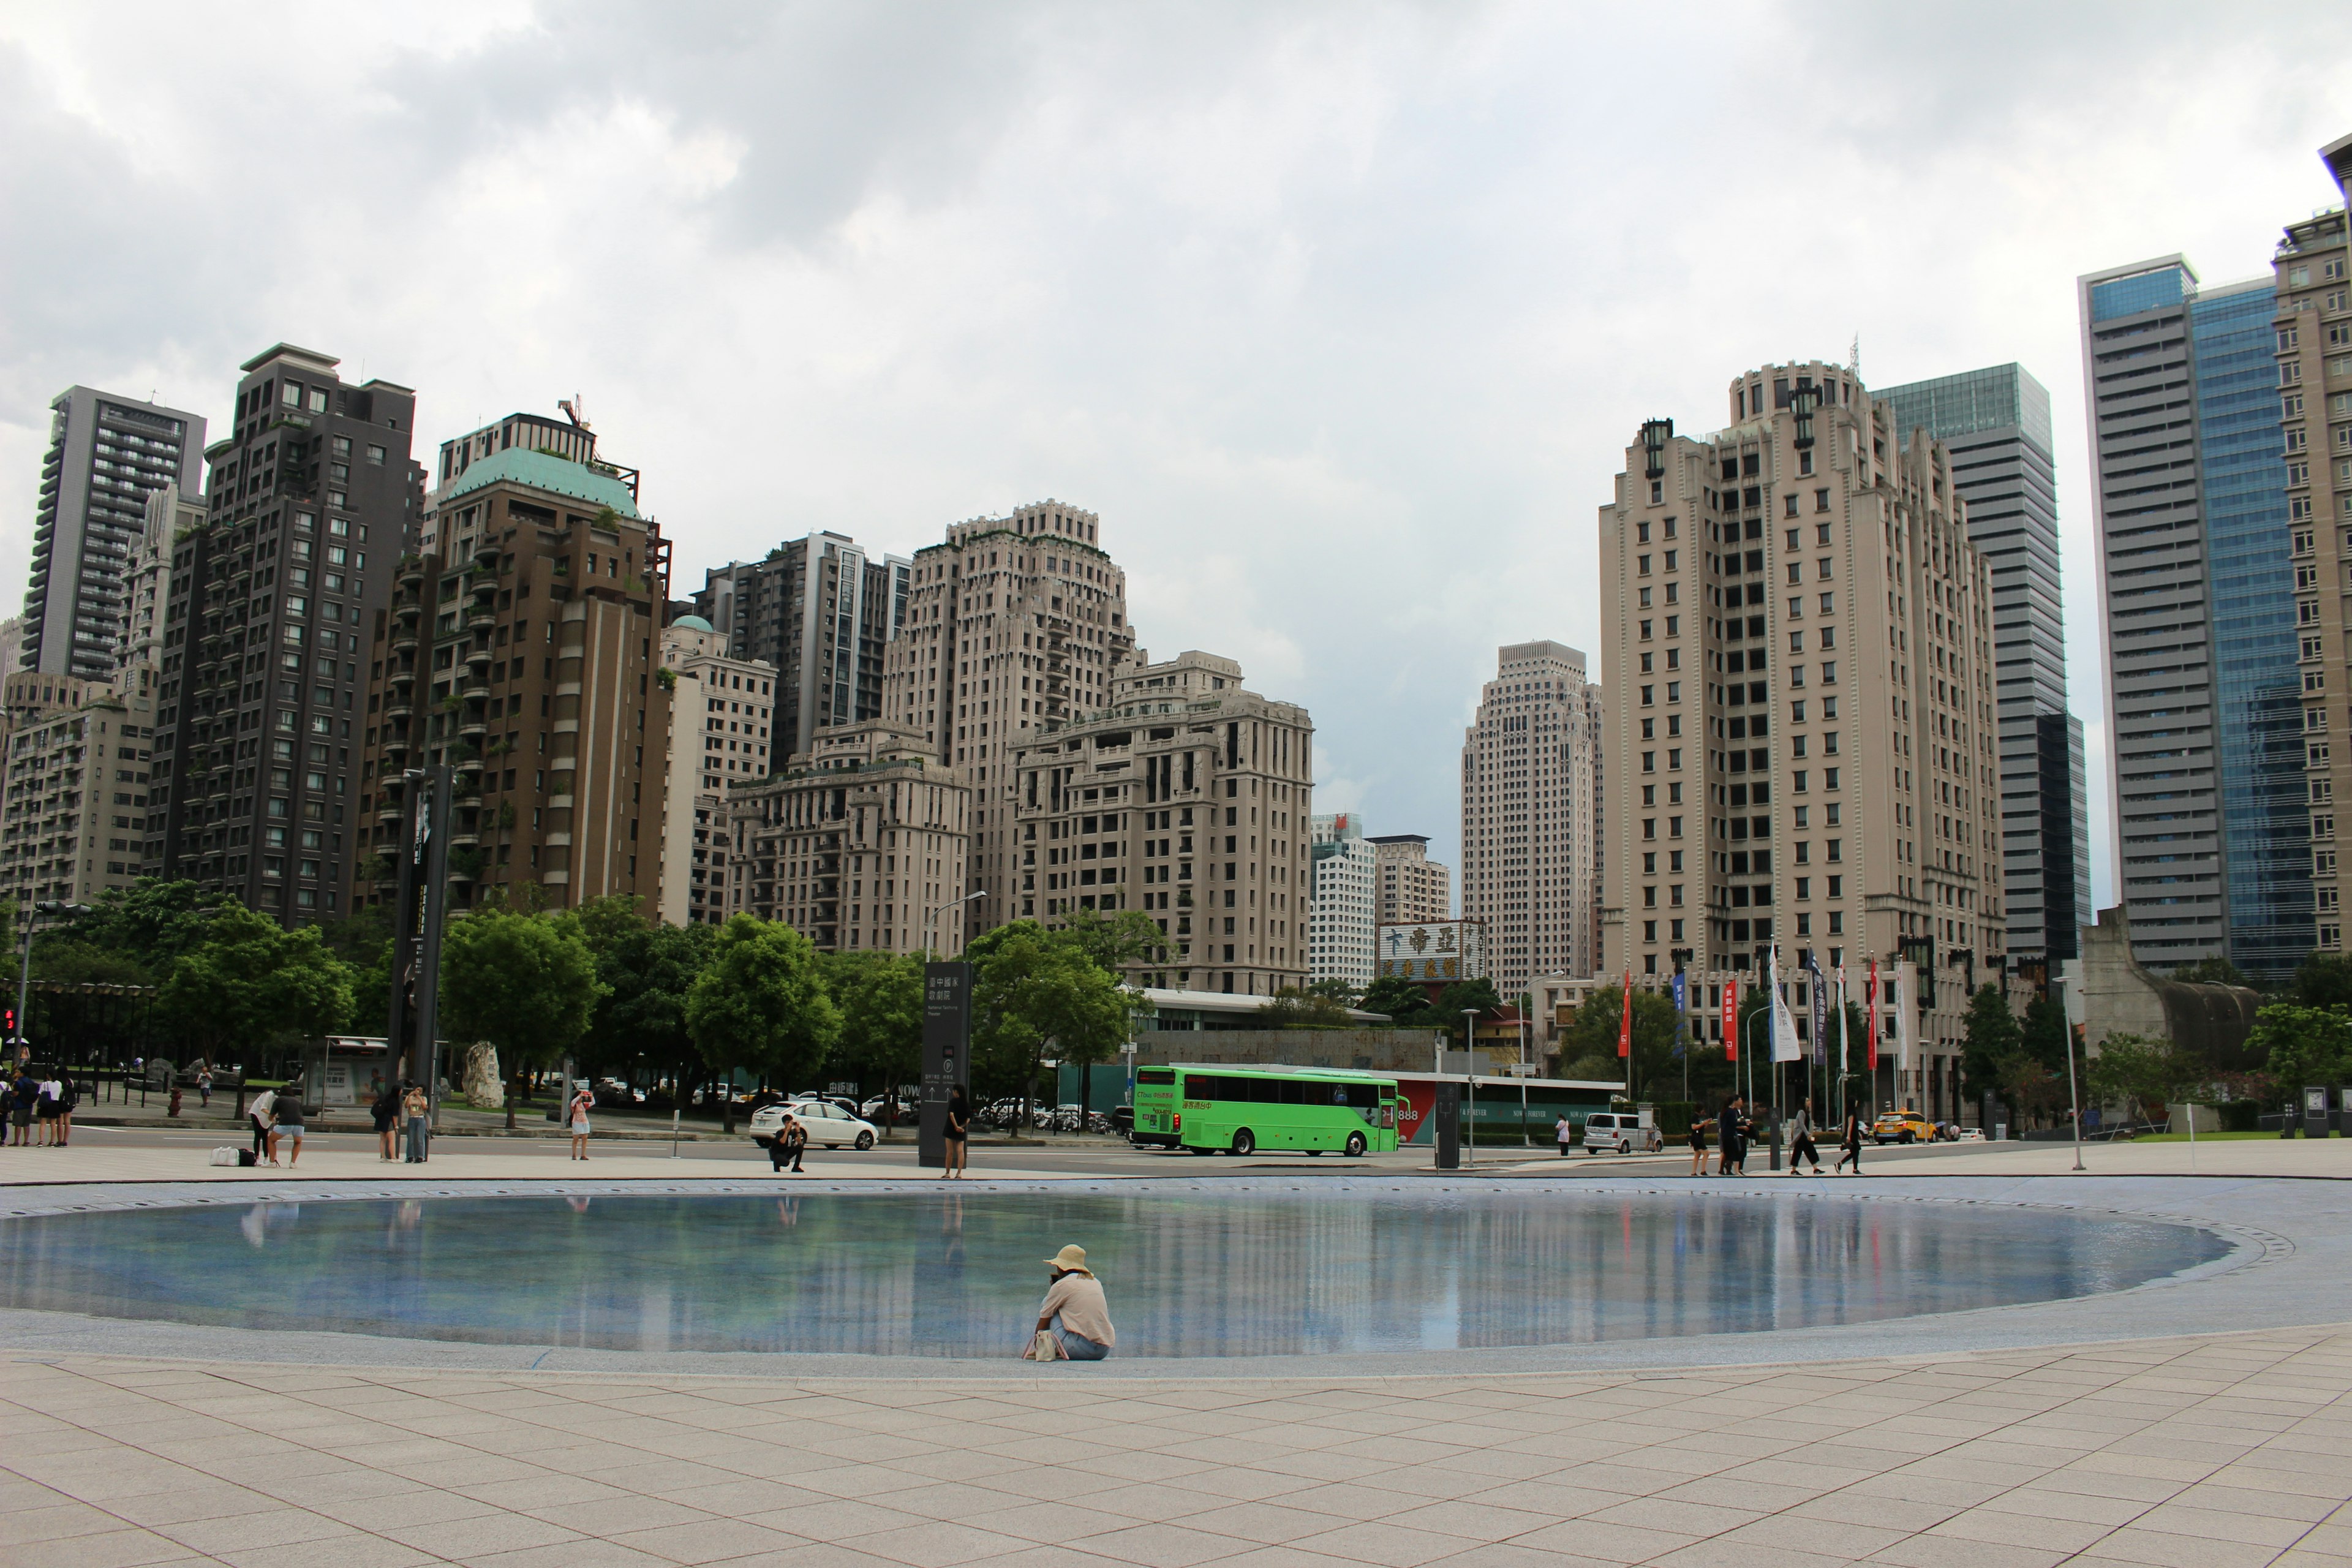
(263, 1101)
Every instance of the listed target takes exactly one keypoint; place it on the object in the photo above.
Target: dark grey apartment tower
(313, 498)
(107, 455)
(820, 609)
(1996, 422)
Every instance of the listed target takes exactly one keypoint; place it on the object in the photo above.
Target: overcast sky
(1342, 317)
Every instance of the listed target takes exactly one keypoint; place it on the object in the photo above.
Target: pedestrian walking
(1074, 1296)
(1849, 1145)
(791, 1142)
(261, 1114)
(204, 1089)
(385, 1112)
(1698, 1145)
(68, 1096)
(583, 1102)
(286, 1113)
(1731, 1138)
(1565, 1130)
(416, 1106)
(959, 1126)
(1800, 1140)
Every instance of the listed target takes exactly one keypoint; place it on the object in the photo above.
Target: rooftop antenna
(1853, 362)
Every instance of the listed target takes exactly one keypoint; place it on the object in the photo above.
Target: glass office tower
(2211, 827)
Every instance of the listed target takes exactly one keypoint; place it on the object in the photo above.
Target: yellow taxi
(1903, 1127)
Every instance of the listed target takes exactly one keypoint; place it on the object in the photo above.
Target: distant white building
(1344, 864)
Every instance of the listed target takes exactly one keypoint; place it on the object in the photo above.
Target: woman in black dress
(959, 1125)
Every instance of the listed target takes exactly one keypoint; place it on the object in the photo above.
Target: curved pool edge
(2268, 1276)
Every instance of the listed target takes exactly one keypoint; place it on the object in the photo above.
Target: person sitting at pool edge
(1076, 1296)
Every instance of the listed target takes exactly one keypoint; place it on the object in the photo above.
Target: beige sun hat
(1071, 1260)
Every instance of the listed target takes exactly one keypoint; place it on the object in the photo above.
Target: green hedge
(2242, 1115)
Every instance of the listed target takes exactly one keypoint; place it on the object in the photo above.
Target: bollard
(1774, 1140)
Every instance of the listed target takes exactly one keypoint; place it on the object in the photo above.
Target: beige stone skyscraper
(1530, 799)
(1800, 735)
(1188, 797)
(2314, 358)
(1408, 887)
(1012, 621)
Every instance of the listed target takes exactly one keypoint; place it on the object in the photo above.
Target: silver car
(826, 1122)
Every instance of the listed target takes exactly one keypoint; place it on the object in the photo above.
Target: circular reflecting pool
(1233, 1272)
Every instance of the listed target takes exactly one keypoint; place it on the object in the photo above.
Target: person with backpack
(68, 1096)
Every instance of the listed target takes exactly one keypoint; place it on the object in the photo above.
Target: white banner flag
(1784, 1025)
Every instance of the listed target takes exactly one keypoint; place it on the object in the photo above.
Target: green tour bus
(1239, 1110)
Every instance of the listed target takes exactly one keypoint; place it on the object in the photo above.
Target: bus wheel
(1244, 1142)
(1355, 1145)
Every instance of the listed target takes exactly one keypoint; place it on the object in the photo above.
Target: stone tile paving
(2218, 1452)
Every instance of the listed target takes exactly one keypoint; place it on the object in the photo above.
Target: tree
(527, 983)
(363, 941)
(1334, 989)
(2142, 1072)
(1590, 1042)
(1291, 1009)
(2302, 1044)
(759, 1007)
(1032, 987)
(152, 923)
(1404, 1001)
(2045, 1035)
(2029, 1087)
(1112, 942)
(640, 1022)
(245, 983)
(2324, 979)
(602, 922)
(1467, 996)
(64, 958)
(881, 1002)
(2215, 971)
(1991, 1036)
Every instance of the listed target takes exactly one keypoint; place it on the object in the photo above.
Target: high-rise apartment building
(822, 612)
(107, 455)
(1182, 794)
(2204, 698)
(147, 576)
(2313, 334)
(1408, 886)
(521, 651)
(1343, 865)
(312, 498)
(1530, 811)
(719, 718)
(73, 785)
(859, 843)
(1801, 741)
(1996, 424)
(1011, 623)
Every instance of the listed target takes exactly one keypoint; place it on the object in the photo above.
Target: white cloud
(1342, 317)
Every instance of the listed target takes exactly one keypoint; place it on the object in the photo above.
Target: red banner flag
(1872, 1016)
(1625, 1029)
(1731, 1020)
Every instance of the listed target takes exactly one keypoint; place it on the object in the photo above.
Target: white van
(1621, 1132)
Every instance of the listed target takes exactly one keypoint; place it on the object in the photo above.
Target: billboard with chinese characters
(1433, 951)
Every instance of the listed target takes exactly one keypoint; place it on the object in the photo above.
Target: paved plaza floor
(2203, 1424)
(2219, 1452)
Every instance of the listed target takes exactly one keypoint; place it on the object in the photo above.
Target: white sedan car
(828, 1125)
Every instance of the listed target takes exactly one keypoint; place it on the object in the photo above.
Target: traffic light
(10, 1014)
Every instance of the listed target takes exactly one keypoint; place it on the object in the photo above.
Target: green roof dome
(693, 624)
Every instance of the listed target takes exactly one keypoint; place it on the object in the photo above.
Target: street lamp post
(932, 912)
(25, 963)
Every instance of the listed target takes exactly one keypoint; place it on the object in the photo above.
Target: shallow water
(1228, 1273)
